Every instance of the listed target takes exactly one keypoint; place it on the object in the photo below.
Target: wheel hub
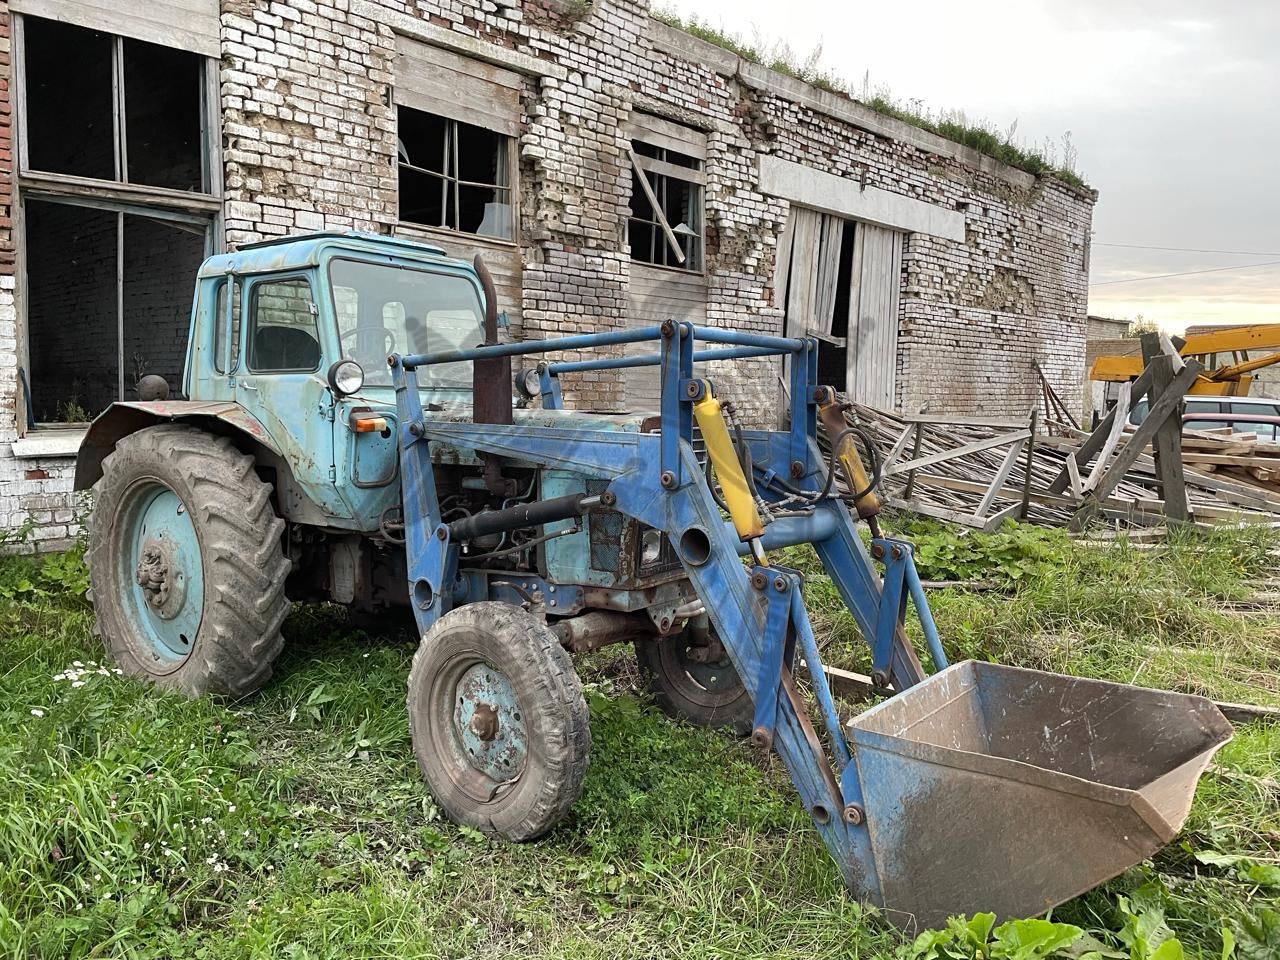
(161, 559)
(488, 723)
(163, 587)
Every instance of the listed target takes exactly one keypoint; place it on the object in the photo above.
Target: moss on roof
(951, 126)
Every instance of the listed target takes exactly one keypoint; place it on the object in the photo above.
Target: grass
(139, 824)
(949, 125)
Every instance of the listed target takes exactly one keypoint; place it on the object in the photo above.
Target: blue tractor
(349, 432)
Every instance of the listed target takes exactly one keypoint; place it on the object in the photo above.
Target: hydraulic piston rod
(522, 515)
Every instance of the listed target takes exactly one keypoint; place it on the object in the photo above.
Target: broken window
(108, 302)
(111, 108)
(453, 175)
(665, 227)
(109, 270)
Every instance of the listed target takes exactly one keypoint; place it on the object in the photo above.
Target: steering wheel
(388, 342)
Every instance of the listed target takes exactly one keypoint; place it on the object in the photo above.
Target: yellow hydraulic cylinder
(737, 494)
(855, 474)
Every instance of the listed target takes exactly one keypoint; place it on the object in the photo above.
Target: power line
(1144, 246)
(1188, 273)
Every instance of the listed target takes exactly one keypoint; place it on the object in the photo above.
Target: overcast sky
(1173, 109)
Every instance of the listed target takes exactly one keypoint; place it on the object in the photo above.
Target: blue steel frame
(758, 612)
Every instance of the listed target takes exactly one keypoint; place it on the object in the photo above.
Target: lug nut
(853, 815)
(668, 479)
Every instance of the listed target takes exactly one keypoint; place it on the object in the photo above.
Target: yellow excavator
(1225, 354)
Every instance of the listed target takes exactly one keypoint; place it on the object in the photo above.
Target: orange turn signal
(368, 424)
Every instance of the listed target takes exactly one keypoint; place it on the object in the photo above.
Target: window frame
(654, 175)
(249, 323)
(199, 211)
(455, 181)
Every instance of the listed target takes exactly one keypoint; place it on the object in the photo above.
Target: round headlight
(346, 377)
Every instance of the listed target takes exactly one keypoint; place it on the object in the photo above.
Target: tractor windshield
(384, 309)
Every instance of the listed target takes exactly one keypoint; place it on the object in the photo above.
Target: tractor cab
(296, 333)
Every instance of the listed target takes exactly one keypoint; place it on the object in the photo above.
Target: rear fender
(121, 419)
(224, 418)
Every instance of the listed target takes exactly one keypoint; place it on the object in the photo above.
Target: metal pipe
(789, 531)
(745, 339)
(654, 359)
(599, 628)
(522, 515)
(524, 347)
(926, 620)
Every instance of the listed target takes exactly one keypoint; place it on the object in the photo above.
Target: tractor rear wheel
(185, 562)
(690, 687)
(498, 720)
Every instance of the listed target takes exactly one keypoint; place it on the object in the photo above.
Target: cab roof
(302, 250)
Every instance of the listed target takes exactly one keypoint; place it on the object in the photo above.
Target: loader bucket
(993, 788)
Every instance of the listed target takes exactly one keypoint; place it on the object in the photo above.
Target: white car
(1259, 415)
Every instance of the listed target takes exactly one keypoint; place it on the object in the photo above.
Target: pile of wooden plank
(983, 471)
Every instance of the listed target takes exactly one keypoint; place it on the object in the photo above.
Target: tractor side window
(220, 327)
(284, 336)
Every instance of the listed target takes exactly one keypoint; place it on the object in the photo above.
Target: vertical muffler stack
(993, 788)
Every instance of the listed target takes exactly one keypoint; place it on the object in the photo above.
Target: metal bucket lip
(1025, 772)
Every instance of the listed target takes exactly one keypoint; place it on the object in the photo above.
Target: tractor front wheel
(696, 682)
(185, 562)
(498, 720)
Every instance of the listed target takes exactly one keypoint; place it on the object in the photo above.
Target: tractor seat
(285, 348)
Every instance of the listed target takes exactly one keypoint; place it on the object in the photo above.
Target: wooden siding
(190, 25)
(656, 294)
(443, 83)
(872, 361)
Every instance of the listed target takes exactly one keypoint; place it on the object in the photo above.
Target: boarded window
(837, 280)
(453, 175)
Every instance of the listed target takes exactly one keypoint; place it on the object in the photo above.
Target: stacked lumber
(983, 471)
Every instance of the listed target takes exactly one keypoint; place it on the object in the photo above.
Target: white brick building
(611, 169)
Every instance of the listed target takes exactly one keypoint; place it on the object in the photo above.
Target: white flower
(76, 663)
(77, 683)
(231, 809)
(37, 712)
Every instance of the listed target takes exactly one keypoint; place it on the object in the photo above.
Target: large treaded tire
(675, 685)
(241, 556)
(550, 705)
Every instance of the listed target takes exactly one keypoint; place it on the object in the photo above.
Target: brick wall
(309, 142)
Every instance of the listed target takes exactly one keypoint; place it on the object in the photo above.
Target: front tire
(498, 720)
(706, 694)
(185, 562)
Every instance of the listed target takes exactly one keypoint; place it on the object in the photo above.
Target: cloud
(1172, 106)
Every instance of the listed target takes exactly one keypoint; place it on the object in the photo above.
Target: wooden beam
(1093, 443)
(1164, 405)
(657, 207)
(1006, 468)
(1167, 445)
(1121, 411)
(974, 447)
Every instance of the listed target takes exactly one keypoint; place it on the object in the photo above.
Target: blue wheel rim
(161, 578)
(488, 725)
